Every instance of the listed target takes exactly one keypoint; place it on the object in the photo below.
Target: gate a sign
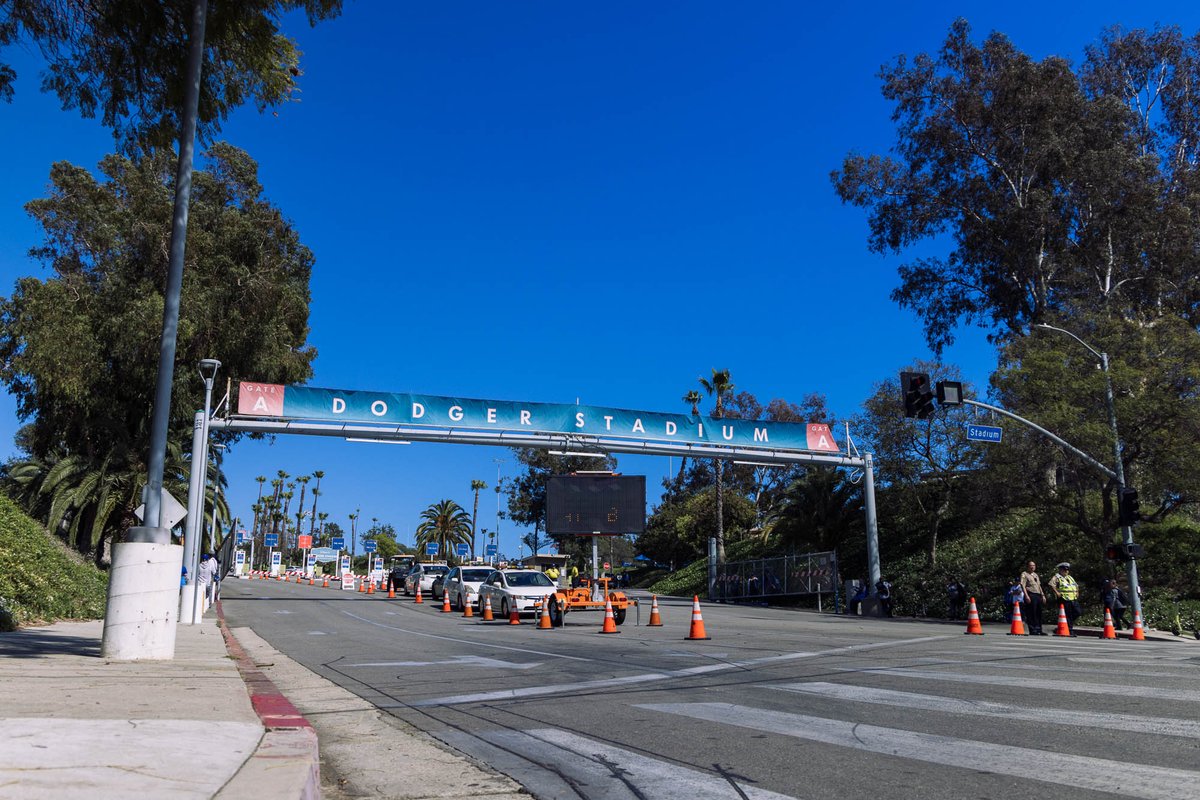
(260, 398)
(820, 437)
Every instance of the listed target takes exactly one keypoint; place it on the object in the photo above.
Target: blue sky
(556, 202)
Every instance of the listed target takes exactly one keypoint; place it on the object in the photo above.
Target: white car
(462, 584)
(423, 574)
(522, 589)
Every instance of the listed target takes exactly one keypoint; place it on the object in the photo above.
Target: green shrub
(40, 580)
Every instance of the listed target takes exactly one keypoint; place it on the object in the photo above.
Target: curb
(286, 763)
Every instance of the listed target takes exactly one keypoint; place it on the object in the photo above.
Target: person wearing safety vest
(1067, 591)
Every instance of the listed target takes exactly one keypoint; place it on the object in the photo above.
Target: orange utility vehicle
(579, 598)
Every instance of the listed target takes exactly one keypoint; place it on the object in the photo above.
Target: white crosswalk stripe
(1083, 772)
(1149, 692)
(1159, 726)
(598, 770)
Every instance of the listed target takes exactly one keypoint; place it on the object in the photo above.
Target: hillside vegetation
(41, 580)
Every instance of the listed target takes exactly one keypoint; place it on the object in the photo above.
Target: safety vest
(1067, 587)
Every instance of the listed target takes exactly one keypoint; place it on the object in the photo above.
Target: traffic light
(1127, 507)
(949, 393)
(1133, 550)
(918, 394)
(1115, 552)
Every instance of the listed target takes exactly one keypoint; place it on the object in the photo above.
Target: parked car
(423, 574)
(462, 584)
(522, 589)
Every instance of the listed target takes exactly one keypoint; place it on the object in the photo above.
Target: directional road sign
(339, 543)
(431, 548)
(984, 433)
(369, 545)
(271, 539)
(462, 549)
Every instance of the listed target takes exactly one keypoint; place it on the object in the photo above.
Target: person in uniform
(1031, 609)
(1066, 591)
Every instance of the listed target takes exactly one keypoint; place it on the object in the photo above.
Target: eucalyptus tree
(719, 387)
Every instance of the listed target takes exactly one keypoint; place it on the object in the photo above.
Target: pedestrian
(956, 592)
(552, 573)
(206, 575)
(1066, 591)
(1115, 602)
(854, 607)
(1014, 596)
(883, 590)
(1031, 609)
(574, 573)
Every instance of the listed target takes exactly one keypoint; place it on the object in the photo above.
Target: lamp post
(195, 517)
(1118, 467)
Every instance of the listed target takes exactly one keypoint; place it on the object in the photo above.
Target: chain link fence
(784, 576)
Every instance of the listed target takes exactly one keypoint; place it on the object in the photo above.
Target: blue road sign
(369, 545)
(243, 537)
(271, 539)
(491, 550)
(339, 543)
(984, 433)
(431, 548)
(462, 549)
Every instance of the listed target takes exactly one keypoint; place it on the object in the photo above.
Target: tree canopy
(124, 60)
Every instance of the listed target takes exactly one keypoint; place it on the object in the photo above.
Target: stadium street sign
(984, 433)
(336, 405)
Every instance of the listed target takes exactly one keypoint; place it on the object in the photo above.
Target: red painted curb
(275, 710)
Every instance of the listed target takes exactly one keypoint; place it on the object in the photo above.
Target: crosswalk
(602, 769)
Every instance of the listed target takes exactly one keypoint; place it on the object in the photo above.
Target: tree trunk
(720, 511)
(474, 518)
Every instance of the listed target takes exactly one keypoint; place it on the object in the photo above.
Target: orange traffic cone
(467, 612)
(974, 626)
(610, 622)
(655, 618)
(697, 631)
(418, 600)
(1063, 628)
(370, 587)
(1109, 631)
(487, 609)
(514, 616)
(1018, 625)
(325, 582)
(391, 591)
(1139, 635)
(445, 602)
(362, 586)
(312, 581)
(544, 618)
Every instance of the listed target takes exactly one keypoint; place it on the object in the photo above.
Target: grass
(41, 581)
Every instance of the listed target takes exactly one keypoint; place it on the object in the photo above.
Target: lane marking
(471, 642)
(456, 661)
(602, 770)
(662, 675)
(1165, 726)
(1186, 695)
(1079, 772)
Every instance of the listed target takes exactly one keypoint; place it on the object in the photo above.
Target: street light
(195, 518)
(1118, 467)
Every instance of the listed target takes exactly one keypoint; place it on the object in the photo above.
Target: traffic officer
(1067, 591)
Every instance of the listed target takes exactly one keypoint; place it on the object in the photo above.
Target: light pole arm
(1045, 432)
(1103, 358)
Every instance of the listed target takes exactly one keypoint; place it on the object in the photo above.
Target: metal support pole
(872, 523)
(161, 419)
(1126, 530)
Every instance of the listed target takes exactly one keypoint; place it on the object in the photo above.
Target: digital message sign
(586, 504)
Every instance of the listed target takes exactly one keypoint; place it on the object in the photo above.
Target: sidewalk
(74, 723)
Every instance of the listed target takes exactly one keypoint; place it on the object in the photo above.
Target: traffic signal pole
(1131, 572)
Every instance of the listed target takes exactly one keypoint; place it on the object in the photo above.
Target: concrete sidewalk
(192, 727)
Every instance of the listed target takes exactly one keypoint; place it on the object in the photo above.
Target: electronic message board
(587, 504)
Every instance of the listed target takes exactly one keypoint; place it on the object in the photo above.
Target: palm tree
(354, 536)
(321, 531)
(476, 486)
(719, 387)
(692, 399)
(444, 522)
(318, 474)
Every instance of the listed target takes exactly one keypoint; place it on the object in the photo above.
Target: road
(777, 704)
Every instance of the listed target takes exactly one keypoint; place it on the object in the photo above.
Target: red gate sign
(820, 437)
(304, 542)
(260, 399)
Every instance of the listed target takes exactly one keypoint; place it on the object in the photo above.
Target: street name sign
(984, 433)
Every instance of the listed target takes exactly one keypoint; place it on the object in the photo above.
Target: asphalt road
(777, 704)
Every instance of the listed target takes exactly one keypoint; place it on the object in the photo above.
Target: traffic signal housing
(1115, 552)
(1128, 509)
(918, 395)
